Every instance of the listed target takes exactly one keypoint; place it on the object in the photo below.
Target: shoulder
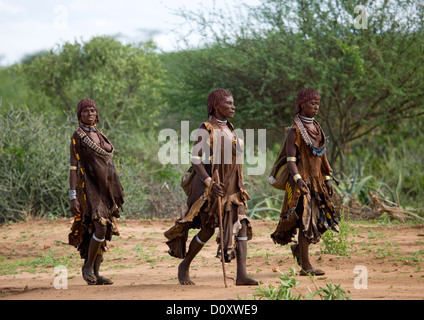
(292, 132)
(293, 135)
(74, 135)
(207, 125)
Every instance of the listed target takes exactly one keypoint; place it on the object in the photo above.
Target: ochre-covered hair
(215, 98)
(85, 103)
(304, 96)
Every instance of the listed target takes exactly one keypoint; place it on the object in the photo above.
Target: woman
(302, 170)
(220, 147)
(96, 193)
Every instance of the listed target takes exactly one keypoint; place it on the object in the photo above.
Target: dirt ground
(138, 263)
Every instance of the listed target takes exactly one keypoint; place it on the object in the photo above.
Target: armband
(207, 181)
(72, 194)
(297, 177)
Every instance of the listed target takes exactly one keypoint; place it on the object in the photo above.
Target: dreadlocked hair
(215, 98)
(305, 95)
(85, 103)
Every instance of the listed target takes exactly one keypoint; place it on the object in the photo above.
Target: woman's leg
(304, 256)
(196, 245)
(95, 243)
(100, 279)
(241, 252)
(304, 251)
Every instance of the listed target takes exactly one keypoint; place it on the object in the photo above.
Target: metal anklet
(97, 239)
(200, 241)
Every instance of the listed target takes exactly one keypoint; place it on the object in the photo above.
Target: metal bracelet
(297, 177)
(208, 181)
(72, 194)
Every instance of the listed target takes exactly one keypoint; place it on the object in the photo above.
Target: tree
(368, 75)
(124, 80)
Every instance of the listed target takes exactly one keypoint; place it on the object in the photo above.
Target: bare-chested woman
(96, 193)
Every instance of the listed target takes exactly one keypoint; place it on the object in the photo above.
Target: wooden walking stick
(221, 232)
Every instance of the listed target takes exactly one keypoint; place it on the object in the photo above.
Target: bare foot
(183, 275)
(246, 281)
(103, 281)
(312, 271)
(88, 276)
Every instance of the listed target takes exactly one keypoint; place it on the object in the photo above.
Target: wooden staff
(221, 232)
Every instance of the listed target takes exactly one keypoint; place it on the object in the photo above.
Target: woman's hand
(218, 190)
(330, 188)
(303, 187)
(75, 207)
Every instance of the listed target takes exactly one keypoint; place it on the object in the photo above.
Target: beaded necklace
(307, 138)
(90, 143)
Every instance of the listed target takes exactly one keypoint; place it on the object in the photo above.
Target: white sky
(27, 27)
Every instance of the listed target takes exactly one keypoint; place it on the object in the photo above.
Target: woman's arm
(75, 205)
(196, 161)
(291, 152)
(326, 170)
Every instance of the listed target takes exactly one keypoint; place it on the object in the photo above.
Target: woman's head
(216, 98)
(87, 109)
(304, 96)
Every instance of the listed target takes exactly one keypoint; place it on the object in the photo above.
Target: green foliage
(332, 292)
(33, 166)
(34, 160)
(367, 77)
(284, 290)
(394, 162)
(151, 189)
(369, 80)
(12, 87)
(350, 189)
(265, 203)
(124, 80)
(289, 282)
(340, 243)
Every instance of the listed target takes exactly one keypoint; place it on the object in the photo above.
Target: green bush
(289, 281)
(34, 160)
(339, 243)
(33, 165)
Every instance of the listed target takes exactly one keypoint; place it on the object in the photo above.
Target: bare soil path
(140, 267)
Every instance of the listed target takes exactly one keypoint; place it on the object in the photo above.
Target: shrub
(33, 165)
(339, 243)
(289, 282)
